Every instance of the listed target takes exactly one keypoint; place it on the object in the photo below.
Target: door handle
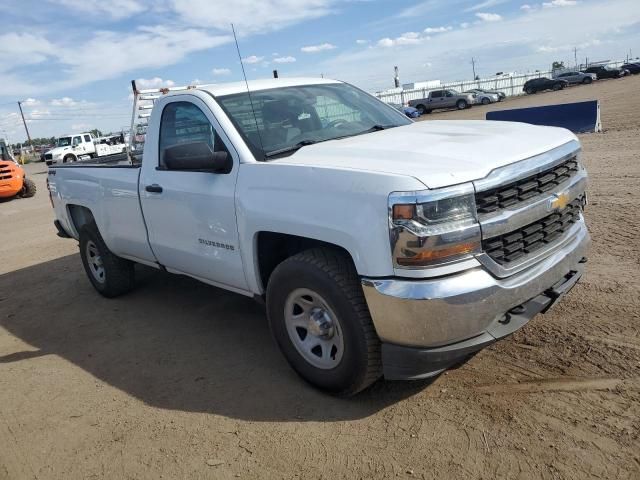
(155, 188)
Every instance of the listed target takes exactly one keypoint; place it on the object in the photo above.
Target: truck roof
(264, 84)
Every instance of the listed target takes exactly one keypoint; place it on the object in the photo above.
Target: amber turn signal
(404, 212)
(427, 257)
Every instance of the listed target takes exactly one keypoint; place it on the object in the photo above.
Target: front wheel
(587, 80)
(109, 274)
(320, 320)
(421, 109)
(461, 104)
(28, 188)
(486, 101)
(529, 91)
(557, 86)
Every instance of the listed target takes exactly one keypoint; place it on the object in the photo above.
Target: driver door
(190, 214)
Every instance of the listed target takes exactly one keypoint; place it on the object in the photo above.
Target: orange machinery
(12, 177)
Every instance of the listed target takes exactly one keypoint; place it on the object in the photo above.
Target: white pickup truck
(380, 246)
(74, 147)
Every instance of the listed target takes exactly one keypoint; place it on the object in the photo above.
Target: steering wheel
(336, 123)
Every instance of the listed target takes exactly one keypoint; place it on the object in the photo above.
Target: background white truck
(77, 146)
(380, 246)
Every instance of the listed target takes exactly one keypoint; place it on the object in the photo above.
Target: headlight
(433, 227)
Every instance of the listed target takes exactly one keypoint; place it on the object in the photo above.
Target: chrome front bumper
(447, 310)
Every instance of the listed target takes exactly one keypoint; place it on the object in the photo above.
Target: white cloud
(318, 48)
(362, 42)
(485, 4)
(250, 16)
(559, 3)
(288, 59)
(437, 29)
(66, 101)
(526, 7)
(465, 25)
(407, 38)
(217, 72)
(31, 102)
(251, 59)
(489, 17)
(116, 9)
(155, 82)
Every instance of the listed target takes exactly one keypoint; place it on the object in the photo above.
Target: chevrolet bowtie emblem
(558, 203)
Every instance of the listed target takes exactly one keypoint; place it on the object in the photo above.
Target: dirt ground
(182, 380)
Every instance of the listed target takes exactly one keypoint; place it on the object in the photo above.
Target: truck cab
(70, 148)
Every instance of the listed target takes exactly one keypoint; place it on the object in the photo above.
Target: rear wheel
(486, 101)
(587, 80)
(28, 188)
(320, 320)
(109, 274)
(557, 86)
(421, 109)
(529, 91)
(461, 104)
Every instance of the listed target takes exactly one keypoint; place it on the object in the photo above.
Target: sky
(71, 61)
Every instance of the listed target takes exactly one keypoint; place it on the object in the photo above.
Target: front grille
(521, 190)
(48, 156)
(523, 241)
(5, 174)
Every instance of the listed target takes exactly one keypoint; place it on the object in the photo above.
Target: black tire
(486, 101)
(557, 86)
(461, 104)
(118, 275)
(587, 80)
(68, 159)
(333, 276)
(421, 109)
(28, 188)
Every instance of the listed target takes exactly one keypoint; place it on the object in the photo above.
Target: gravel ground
(182, 380)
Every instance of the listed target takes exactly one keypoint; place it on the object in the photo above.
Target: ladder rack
(143, 102)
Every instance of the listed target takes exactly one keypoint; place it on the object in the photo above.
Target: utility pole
(575, 56)
(473, 66)
(396, 77)
(24, 122)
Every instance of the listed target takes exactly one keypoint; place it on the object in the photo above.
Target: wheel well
(273, 248)
(80, 216)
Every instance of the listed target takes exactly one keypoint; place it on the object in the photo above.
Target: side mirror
(197, 156)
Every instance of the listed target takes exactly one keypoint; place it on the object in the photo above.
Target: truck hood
(59, 150)
(438, 153)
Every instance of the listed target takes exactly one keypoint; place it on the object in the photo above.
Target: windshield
(290, 117)
(64, 142)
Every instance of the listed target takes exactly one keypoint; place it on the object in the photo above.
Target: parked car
(577, 77)
(633, 68)
(438, 99)
(408, 111)
(604, 72)
(380, 246)
(501, 95)
(13, 180)
(543, 83)
(483, 98)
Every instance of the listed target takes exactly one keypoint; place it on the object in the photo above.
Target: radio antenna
(255, 119)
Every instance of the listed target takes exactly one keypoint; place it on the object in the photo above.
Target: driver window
(77, 141)
(185, 123)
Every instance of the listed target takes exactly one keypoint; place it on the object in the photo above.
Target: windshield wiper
(291, 148)
(374, 128)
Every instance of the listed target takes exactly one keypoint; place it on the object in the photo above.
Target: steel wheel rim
(94, 260)
(314, 329)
